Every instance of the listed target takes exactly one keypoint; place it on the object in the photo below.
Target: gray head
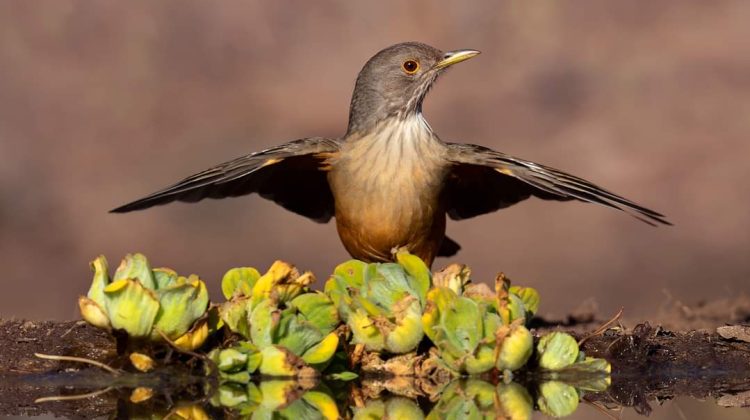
(394, 82)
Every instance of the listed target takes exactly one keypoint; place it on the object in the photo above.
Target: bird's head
(394, 82)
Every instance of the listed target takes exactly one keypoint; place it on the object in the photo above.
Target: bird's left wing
(292, 175)
(483, 180)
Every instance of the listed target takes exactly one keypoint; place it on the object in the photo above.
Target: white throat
(402, 151)
(403, 140)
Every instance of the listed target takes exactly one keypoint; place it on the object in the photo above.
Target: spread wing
(291, 175)
(483, 180)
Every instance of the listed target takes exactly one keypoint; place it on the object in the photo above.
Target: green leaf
(263, 324)
(241, 377)
(492, 322)
(438, 299)
(408, 331)
(101, 280)
(516, 349)
(482, 392)
(384, 288)
(452, 400)
(557, 399)
(231, 360)
(254, 356)
(131, 307)
(164, 277)
(461, 408)
(93, 313)
(299, 409)
(402, 408)
(515, 401)
(343, 376)
(397, 284)
(179, 307)
(351, 272)
(557, 350)
(324, 405)
(136, 267)
(373, 410)
(419, 272)
(317, 309)
(297, 335)
(593, 365)
(239, 281)
(370, 307)
(322, 351)
(462, 324)
(516, 308)
(276, 361)
(529, 297)
(589, 374)
(482, 362)
(234, 314)
(364, 331)
(231, 395)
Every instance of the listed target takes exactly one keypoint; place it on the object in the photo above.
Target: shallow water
(679, 408)
(174, 394)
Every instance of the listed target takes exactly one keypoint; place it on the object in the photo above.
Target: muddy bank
(20, 339)
(654, 364)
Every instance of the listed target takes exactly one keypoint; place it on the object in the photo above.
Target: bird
(390, 181)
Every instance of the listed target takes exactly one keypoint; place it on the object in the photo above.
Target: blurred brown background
(103, 102)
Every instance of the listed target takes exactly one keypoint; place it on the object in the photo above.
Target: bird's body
(387, 188)
(390, 181)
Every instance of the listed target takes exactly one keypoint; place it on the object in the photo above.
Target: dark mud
(21, 339)
(24, 378)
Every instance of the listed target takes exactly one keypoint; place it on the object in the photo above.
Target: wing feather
(486, 180)
(292, 175)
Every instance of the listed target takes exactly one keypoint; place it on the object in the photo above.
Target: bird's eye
(410, 66)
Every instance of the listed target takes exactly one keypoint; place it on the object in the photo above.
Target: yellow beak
(452, 57)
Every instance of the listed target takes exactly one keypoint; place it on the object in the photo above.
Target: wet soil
(655, 364)
(21, 339)
(24, 377)
(649, 363)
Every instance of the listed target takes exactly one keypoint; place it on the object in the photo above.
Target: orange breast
(377, 212)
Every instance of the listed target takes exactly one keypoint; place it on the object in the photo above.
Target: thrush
(390, 181)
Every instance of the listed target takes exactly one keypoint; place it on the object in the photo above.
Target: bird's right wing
(483, 180)
(292, 175)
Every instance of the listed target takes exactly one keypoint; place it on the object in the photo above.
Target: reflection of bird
(390, 181)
